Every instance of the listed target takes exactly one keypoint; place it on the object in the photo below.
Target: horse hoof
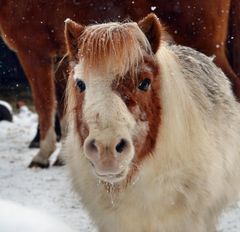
(35, 164)
(58, 138)
(34, 144)
(59, 162)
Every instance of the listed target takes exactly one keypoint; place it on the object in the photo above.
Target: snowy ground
(47, 190)
(50, 189)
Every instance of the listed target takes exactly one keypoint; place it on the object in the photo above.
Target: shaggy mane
(114, 48)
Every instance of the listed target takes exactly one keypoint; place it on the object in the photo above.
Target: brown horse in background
(34, 30)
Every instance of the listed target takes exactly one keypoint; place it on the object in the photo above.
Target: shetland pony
(153, 140)
(34, 30)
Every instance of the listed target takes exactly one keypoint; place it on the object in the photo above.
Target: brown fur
(203, 25)
(148, 103)
(152, 30)
(150, 110)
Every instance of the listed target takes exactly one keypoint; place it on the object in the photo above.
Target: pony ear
(73, 31)
(151, 27)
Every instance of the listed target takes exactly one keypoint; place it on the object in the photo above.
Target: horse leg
(60, 161)
(35, 143)
(39, 71)
(61, 75)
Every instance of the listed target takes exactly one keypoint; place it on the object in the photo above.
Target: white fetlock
(47, 147)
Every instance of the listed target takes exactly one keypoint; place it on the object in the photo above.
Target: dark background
(10, 69)
(13, 83)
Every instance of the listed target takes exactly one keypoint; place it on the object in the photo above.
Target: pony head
(113, 93)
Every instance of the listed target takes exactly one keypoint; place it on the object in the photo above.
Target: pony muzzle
(110, 158)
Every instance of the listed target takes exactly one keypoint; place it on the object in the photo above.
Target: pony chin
(113, 178)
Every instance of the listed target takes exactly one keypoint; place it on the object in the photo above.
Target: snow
(27, 219)
(153, 8)
(50, 190)
(47, 190)
(67, 20)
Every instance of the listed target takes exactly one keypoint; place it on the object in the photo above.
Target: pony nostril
(121, 145)
(92, 146)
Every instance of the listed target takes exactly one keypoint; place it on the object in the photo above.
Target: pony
(34, 30)
(153, 137)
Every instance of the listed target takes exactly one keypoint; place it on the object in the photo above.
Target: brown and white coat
(178, 166)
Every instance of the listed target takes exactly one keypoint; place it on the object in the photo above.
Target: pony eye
(145, 84)
(81, 85)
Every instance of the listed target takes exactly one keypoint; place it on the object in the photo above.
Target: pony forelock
(115, 48)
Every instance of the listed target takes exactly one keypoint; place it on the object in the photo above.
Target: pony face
(114, 89)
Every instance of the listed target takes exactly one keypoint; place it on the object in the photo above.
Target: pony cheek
(82, 130)
(140, 136)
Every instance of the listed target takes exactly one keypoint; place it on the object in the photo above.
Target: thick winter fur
(193, 170)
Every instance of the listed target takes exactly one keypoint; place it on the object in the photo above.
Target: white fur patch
(101, 100)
